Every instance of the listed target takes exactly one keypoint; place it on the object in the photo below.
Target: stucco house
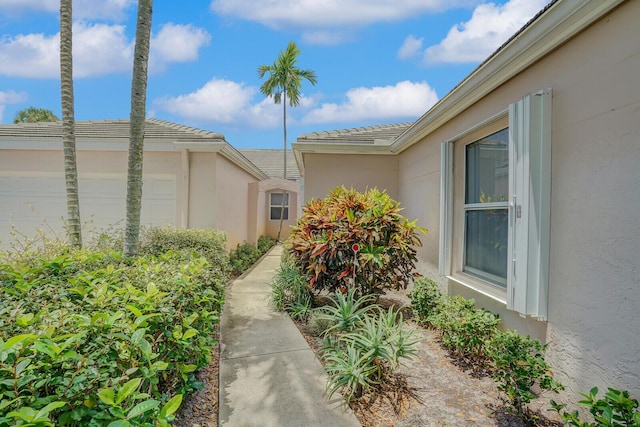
(192, 179)
(527, 175)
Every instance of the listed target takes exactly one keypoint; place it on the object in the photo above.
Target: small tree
(353, 240)
(33, 115)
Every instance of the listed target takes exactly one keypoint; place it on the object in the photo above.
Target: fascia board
(300, 148)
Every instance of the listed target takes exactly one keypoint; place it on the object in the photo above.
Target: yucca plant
(349, 372)
(346, 311)
(363, 344)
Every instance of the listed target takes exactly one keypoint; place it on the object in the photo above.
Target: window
(494, 234)
(486, 208)
(275, 206)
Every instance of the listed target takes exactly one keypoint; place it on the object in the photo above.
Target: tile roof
(155, 130)
(270, 161)
(379, 135)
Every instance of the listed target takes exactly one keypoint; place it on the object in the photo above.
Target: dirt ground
(437, 393)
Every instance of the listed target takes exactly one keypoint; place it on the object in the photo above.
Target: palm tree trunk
(284, 174)
(68, 125)
(137, 122)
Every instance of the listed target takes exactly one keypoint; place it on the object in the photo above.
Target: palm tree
(68, 132)
(33, 114)
(285, 78)
(137, 122)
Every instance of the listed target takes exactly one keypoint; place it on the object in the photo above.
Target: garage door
(37, 201)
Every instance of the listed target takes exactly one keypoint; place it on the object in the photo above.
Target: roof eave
(562, 21)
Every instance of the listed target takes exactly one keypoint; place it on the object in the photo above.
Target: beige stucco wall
(202, 190)
(594, 287)
(232, 200)
(323, 172)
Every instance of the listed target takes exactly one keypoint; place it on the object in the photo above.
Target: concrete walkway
(268, 374)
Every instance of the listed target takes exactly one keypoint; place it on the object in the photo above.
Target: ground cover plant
(352, 240)
(516, 362)
(92, 338)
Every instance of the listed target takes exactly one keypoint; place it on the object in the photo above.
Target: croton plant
(353, 240)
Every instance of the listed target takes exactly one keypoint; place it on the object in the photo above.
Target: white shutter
(529, 204)
(446, 207)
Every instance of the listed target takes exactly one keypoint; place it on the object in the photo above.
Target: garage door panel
(38, 201)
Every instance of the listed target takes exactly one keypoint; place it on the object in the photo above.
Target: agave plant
(346, 312)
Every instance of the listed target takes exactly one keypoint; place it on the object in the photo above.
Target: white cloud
(403, 100)
(10, 97)
(82, 9)
(219, 100)
(489, 27)
(30, 55)
(98, 49)
(227, 102)
(312, 15)
(410, 48)
(177, 43)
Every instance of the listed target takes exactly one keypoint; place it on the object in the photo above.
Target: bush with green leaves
(265, 243)
(426, 300)
(322, 242)
(519, 364)
(89, 338)
(290, 291)
(363, 344)
(616, 409)
(245, 255)
(206, 242)
(465, 328)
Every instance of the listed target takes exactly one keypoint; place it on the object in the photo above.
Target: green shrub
(363, 345)
(290, 291)
(265, 243)
(206, 242)
(243, 257)
(519, 364)
(78, 327)
(465, 329)
(426, 300)
(322, 242)
(615, 409)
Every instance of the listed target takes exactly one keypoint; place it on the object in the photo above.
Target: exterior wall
(202, 190)
(276, 185)
(324, 172)
(232, 196)
(594, 290)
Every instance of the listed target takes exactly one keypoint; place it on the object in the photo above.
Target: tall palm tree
(137, 122)
(285, 78)
(68, 127)
(33, 114)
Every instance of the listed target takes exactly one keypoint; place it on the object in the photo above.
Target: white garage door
(38, 202)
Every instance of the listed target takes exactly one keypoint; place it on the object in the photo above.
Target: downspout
(186, 177)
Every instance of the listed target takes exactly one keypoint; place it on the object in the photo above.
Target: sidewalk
(268, 374)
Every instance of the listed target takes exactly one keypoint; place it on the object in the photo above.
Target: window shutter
(529, 204)
(446, 207)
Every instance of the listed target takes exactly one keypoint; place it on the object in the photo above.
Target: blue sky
(377, 61)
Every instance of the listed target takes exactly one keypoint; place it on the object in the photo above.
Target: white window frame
(529, 208)
(279, 205)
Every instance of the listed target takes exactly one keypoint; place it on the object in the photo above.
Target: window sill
(485, 289)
